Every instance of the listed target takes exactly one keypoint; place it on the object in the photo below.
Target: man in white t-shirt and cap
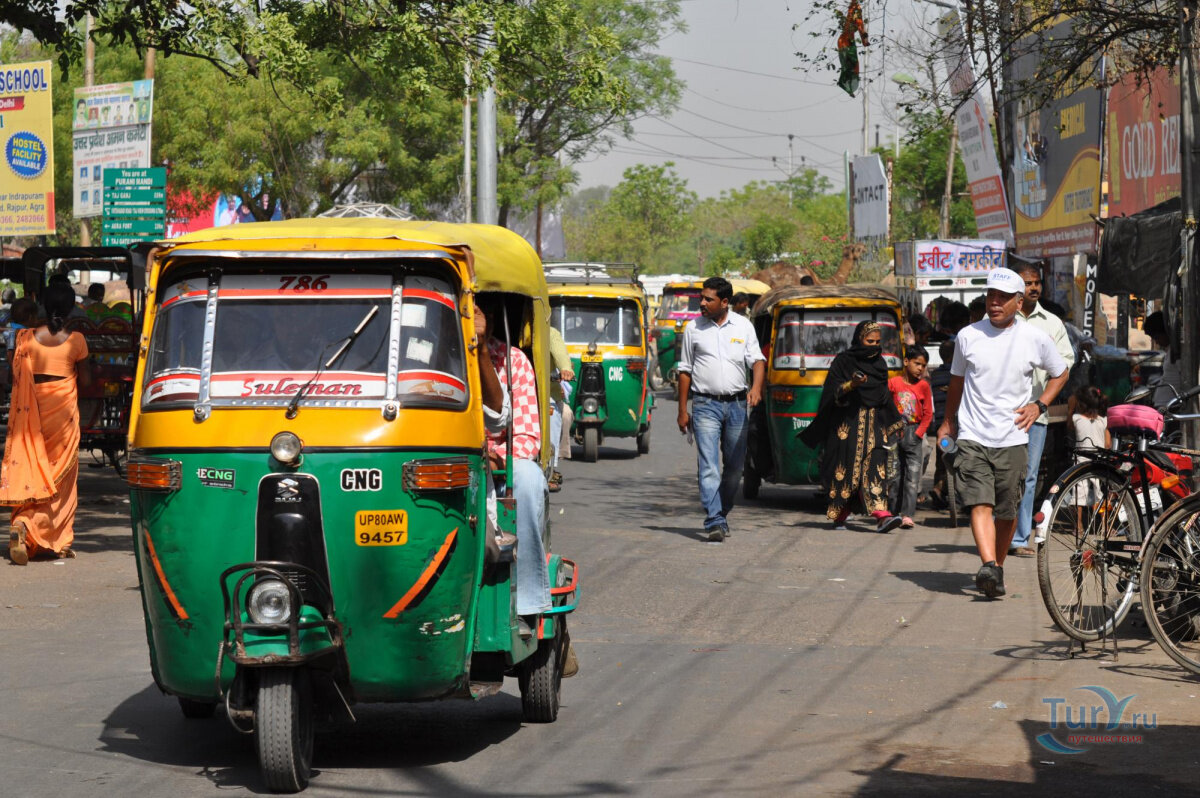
(989, 410)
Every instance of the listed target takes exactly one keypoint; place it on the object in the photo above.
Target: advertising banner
(1056, 168)
(27, 137)
(111, 127)
(1143, 143)
(975, 143)
(870, 199)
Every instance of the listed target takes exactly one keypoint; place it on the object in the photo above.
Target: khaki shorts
(992, 476)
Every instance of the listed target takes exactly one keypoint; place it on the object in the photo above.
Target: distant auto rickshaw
(308, 479)
(681, 305)
(802, 330)
(600, 313)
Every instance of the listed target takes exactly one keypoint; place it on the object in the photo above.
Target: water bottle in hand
(948, 445)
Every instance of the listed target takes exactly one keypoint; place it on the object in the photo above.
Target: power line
(754, 110)
(744, 71)
(751, 130)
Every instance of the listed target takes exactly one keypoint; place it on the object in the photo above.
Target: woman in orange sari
(41, 454)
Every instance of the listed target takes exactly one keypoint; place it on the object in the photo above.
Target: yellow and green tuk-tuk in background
(802, 329)
(600, 312)
(680, 305)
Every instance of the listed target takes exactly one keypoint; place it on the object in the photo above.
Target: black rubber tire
(283, 728)
(1170, 583)
(197, 710)
(643, 441)
(591, 444)
(540, 679)
(751, 482)
(1086, 591)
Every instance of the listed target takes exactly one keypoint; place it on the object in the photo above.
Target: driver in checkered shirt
(529, 481)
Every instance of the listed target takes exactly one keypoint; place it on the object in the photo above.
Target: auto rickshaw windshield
(811, 338)
(680, 304)
(584, 321)
(270, 339)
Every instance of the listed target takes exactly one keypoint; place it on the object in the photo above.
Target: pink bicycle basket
(1135, 420)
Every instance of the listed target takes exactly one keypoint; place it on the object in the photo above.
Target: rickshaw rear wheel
(283, 728)
(591, 444)
(540, 678)
(643, 441)
(197, 710)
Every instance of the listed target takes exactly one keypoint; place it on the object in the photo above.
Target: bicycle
(1170, 586)
(1097, 516)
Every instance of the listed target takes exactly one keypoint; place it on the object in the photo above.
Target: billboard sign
(1056, 168)
(1143, 143)
(27, 142)
(871, 201)
(975, 143)
(111, 125)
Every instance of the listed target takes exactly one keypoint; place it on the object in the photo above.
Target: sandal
(67, 553)
(17, 552)
(555, 482)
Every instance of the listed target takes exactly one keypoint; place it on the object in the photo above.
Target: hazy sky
(731, 122)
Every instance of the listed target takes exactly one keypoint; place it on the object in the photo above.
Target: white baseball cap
(1006, 280)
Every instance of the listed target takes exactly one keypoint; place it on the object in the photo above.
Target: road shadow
(952, 583)
(149, 726)
(690, 532)
(1148, 767)
(945, 548)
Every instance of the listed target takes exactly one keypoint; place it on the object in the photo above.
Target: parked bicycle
(1098, 516)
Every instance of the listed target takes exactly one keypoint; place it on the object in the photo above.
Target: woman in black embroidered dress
(856, 421)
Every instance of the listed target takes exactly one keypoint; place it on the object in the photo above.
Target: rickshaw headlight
(269, 601)
(286, 448)
(590, 405)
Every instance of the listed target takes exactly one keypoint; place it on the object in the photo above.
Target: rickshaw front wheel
(643, 441)
(751, 482)
(197, 710)
(540, 678)
(591, 444)
(283, 728)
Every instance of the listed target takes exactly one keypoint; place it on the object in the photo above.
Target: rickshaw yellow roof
(740, 284)
(504, 261)
(799, 293)
(611, 290)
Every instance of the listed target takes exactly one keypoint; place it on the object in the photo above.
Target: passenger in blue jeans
(716, 351)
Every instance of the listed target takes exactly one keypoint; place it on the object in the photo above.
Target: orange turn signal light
(155, 475)
(1169, 481)
(449, 474)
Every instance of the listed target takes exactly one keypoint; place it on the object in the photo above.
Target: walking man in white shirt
(1039, 317)
(716, 350)
(989, 412)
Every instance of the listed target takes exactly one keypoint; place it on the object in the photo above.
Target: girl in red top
(914, 400)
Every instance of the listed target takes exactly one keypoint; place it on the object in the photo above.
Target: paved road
(790, 660)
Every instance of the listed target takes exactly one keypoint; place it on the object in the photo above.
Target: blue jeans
(721, 430)
(533, 577)
(1037, 443)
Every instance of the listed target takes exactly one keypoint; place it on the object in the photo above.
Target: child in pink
(914, 400)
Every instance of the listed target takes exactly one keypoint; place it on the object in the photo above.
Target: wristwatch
(1041, 406)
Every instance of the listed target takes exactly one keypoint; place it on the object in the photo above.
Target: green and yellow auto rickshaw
(308, 484)
(680, 305)
(802, 330)
(600, 312)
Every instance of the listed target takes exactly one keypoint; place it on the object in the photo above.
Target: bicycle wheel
(1170, 580)
(1087, 581)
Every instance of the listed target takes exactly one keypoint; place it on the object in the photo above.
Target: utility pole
(89, 79)
(944, 229)
(486, 211)
(466, 192)
(1190, 184)
(866, 105)
(791, 172)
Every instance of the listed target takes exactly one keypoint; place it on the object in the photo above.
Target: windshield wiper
(346, 342)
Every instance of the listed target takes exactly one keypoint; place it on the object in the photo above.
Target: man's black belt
(722, 397)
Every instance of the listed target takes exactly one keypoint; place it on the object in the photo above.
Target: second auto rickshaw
(803, 329)
(599, 312)
(309, 486)
(680, 305)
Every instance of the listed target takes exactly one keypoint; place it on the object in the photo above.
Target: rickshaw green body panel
(668, 351)
(422, 651)
(313, 641)
(795, 463)
(627, 399)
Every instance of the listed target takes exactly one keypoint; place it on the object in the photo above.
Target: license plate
(381, 527)
(592, 358)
